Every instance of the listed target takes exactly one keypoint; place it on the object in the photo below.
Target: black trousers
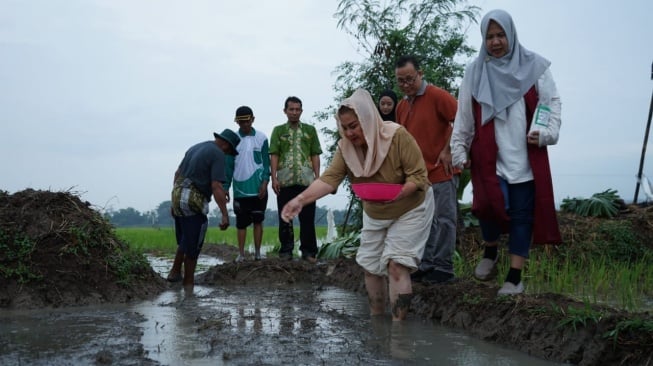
(308, 242)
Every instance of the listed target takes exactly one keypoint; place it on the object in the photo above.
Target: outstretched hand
(290, 210)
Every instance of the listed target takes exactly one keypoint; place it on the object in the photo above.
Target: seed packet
(541, 118)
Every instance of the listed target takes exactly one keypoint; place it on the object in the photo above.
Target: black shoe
(287, 256)
(418, 275)
(435, 277)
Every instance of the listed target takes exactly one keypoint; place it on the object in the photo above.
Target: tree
(163, 215)
(128, 217)
(433, 30)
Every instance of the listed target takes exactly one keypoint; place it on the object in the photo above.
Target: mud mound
(57, 251)
(344, 273)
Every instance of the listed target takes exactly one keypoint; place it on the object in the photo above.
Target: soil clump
(56, 251)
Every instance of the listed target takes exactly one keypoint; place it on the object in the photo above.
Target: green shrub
(15, 257)
(604, 204)
(619, 242)
(342, 246)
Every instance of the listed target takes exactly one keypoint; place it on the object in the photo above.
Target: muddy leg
(175, 272)
(401, 290)
(189, 273)
(376, 293)
(242, 236)
(258, 238)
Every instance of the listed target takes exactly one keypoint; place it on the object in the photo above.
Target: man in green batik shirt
(294, 165)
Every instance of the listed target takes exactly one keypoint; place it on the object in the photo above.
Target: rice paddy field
(162, 240)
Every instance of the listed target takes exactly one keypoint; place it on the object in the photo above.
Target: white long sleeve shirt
(509, 128)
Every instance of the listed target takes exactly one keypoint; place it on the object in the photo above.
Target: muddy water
(238, 326)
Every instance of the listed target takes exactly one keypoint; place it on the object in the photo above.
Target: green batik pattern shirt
(294, 147)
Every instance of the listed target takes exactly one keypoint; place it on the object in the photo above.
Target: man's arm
(274, 163)
(315, 152)
(447, 107)
(315, 160)
(265, 152)
(229, 169)
(220, 197)
(274, 151)
(445, 157)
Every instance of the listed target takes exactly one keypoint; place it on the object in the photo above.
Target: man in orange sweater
(428, 112)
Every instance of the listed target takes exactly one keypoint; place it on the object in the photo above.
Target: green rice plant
(630, 325)
(633, 281)
(162, 240)
(598, 279)
(580, 316)
(603, 204)
(148, 239)
(556, 309)
(598, 286)
(462, 266)
(472, 300)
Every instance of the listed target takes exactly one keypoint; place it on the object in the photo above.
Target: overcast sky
(104, 97)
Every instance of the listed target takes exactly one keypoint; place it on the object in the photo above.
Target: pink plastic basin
(377, 192)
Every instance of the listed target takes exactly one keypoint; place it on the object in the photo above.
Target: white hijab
(497, 83)
(378, 135)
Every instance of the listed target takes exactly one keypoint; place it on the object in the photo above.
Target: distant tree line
(160, 217)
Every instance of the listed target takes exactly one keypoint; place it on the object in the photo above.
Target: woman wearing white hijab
(394, 232)
(512, 189)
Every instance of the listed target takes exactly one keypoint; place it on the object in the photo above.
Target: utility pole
(641, 160)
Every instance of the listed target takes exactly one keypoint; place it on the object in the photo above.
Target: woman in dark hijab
(387, 105)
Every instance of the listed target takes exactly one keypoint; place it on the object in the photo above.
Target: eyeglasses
(407, 81)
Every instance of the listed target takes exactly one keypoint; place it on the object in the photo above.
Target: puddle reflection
(281, 320)
(294, 324)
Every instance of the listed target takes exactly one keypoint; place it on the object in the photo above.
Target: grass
(625, 285)
(576, 317)
(609, 266)
(604, 263)
(631, 325)
(152, 240)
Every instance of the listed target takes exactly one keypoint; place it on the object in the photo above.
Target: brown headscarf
(378, 135)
